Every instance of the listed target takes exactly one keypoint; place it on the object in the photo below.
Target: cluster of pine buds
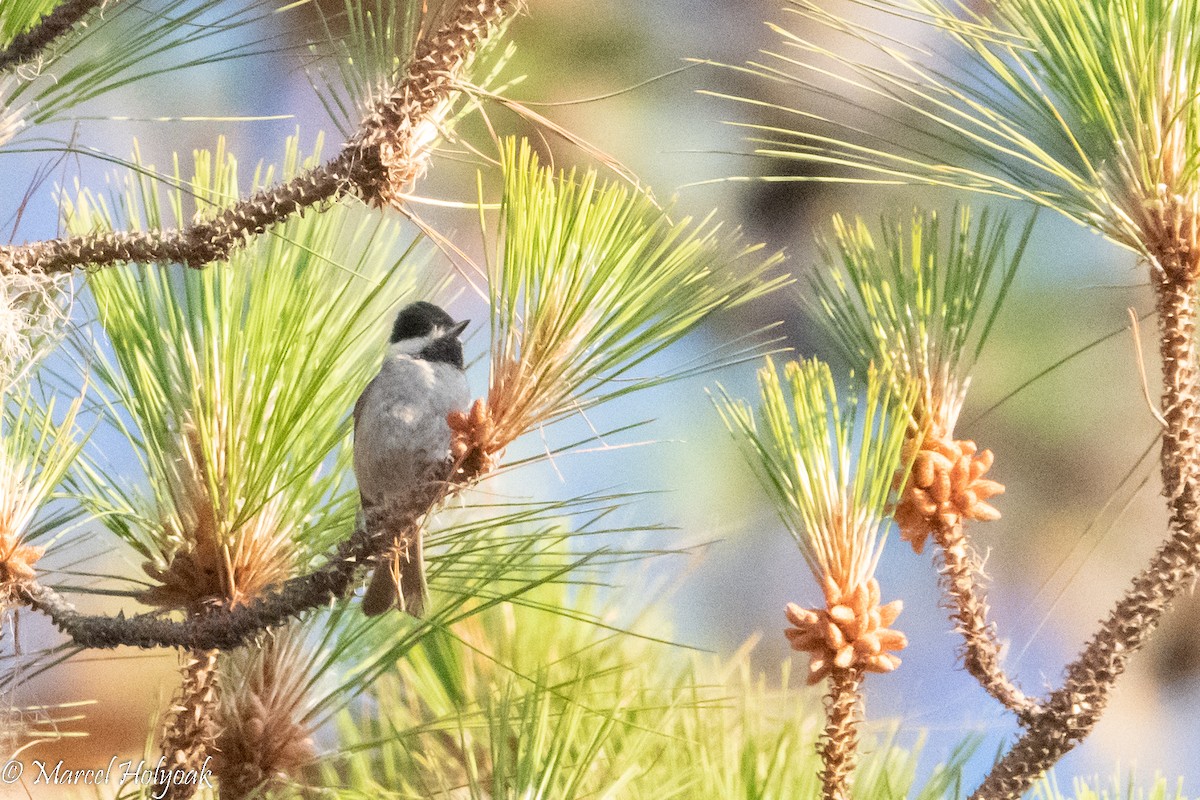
(471, 445)
(850, 632)
(16, 565)
(945, 486)
(262, 744)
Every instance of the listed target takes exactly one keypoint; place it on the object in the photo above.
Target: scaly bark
(191, 729)
(1073, 710)
(227, 627)
(29, 44)
(839, 742)
(960, 574)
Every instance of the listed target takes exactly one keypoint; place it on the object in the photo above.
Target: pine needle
(828, 478)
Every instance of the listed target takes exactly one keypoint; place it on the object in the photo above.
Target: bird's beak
(457, 328)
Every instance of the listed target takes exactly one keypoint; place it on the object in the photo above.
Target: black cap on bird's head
(417, 320)
(424, 330)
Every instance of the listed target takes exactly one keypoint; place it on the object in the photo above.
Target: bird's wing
(362, 398)
(359, 405)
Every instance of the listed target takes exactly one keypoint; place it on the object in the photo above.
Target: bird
(401, 437)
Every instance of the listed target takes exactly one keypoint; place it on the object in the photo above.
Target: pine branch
(839, 741)
(960, 572)
(28, 45)
(385, 156)
(225, 628)
(395, 133)
(191, 731)
(1073, 710)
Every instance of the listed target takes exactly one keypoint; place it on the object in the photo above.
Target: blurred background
(1082, 511)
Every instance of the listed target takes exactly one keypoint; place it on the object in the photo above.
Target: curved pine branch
(959, 574)
(1073, 710)
(385, 155)
(223, 627)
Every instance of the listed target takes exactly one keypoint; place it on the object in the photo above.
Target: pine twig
(960, 573)
(381, 160)
(839, 741)
(392, 133)
(944, 486)
(191, 729)
(197, 244)
(28, 45)
(1073, 710)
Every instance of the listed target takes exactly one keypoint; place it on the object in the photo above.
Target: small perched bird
(401, 436)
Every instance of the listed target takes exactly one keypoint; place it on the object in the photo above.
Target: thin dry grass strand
(1135, 330)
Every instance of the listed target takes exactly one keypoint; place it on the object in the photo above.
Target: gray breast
(400, 423)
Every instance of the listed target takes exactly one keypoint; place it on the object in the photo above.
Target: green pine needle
(35, 453)
(1086, 107)
(235, 382)
(363, 50)
(590, 280)
(828, 471)
(18, 16)
(589, 716)
(125, 44)
(918, 301)
(1126, 787)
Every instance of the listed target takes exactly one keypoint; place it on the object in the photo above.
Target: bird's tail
(399, 580)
